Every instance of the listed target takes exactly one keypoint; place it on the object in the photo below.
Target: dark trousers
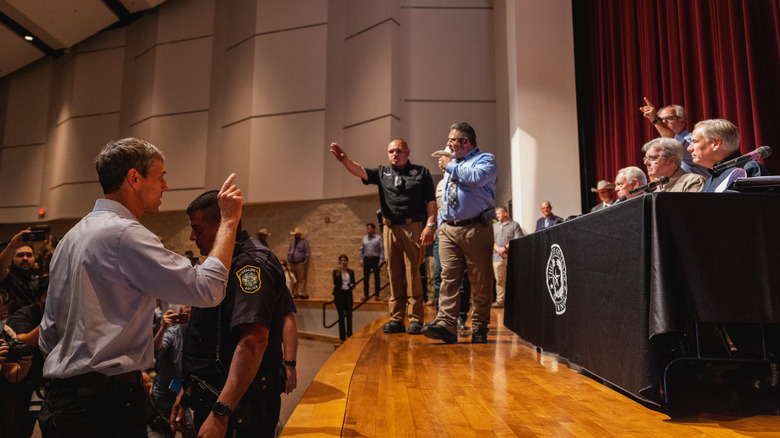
(16, 420)
(343, 299)
(370, 265)
(266, 424)
(75, 408)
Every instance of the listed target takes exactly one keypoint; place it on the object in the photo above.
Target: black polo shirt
(403, 193)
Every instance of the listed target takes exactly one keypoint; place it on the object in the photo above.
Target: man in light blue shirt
(672, 122)
(465, 234)
(104, 277)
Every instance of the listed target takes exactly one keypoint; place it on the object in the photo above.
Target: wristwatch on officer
(290, 363)
(220, 409)
(431, 224)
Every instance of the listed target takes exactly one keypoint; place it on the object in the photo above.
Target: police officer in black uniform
(232, 360)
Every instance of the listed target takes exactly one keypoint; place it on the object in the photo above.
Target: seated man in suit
(716, 141)
(548, 219)
(627, 179)
(663, 157)
(606, 191)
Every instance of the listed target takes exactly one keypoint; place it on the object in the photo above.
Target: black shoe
(415, 328)
(438, 332)
(462, 324)
(394, 327)
(426, 324)
(479, 336)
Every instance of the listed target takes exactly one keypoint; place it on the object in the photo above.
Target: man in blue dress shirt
(716, 141)
(672, 122)
(465, 235)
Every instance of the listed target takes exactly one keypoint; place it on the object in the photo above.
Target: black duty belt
(402, 220)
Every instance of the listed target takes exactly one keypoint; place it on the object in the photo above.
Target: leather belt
(99, 378)
(458, 223)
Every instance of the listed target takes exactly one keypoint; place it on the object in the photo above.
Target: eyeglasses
(651, 159)
(455, 140)
(668, 118)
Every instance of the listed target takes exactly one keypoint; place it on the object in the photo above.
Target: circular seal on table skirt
(557, 284)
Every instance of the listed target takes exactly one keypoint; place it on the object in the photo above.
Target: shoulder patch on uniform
(249, 276)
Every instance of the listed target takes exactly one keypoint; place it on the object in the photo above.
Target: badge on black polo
(249, 276)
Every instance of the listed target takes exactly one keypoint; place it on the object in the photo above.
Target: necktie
(452, 193)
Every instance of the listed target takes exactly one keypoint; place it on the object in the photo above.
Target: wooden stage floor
(399, 385)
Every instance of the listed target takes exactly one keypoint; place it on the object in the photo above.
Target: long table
(612, 290)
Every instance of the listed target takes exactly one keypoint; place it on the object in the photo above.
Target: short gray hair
(678, 111)
(667, 147)
(632, 173)
(722, 129)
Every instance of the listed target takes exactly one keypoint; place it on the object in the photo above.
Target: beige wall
(261, 88)
(333, 227)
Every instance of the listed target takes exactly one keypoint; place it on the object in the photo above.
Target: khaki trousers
(403, 253)
(460, 248)
(299, 271)
(499, 273)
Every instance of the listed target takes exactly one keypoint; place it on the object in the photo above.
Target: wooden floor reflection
(411, 386)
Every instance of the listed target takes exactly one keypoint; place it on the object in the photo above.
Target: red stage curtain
(716, 58)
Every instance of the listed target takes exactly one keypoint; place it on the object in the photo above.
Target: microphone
(649, 187)
(762, 152)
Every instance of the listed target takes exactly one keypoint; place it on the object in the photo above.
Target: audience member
(110, 262)
(16, 420)
(168, 347)
(627, 179)
(372, 254)
(606, 192)
(190, 255)
(466, 234)
(262, 236)
(716, 141)
(237, 345)
(408, 203)
(289, 277)
(504, 230)
(549, 219)
(672, 122)
(297, 261)
(343, 283)
(16, 272)
(16, 361)
(663, 157)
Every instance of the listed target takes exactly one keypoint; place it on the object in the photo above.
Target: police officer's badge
(249, 276)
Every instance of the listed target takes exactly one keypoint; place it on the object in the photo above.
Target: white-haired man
(663, 157)
(715, 141)
(627, 179)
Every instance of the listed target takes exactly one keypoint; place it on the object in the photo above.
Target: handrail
(376, 293)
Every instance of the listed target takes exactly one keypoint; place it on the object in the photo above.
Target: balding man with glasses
(672, 122)
(408, 201)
